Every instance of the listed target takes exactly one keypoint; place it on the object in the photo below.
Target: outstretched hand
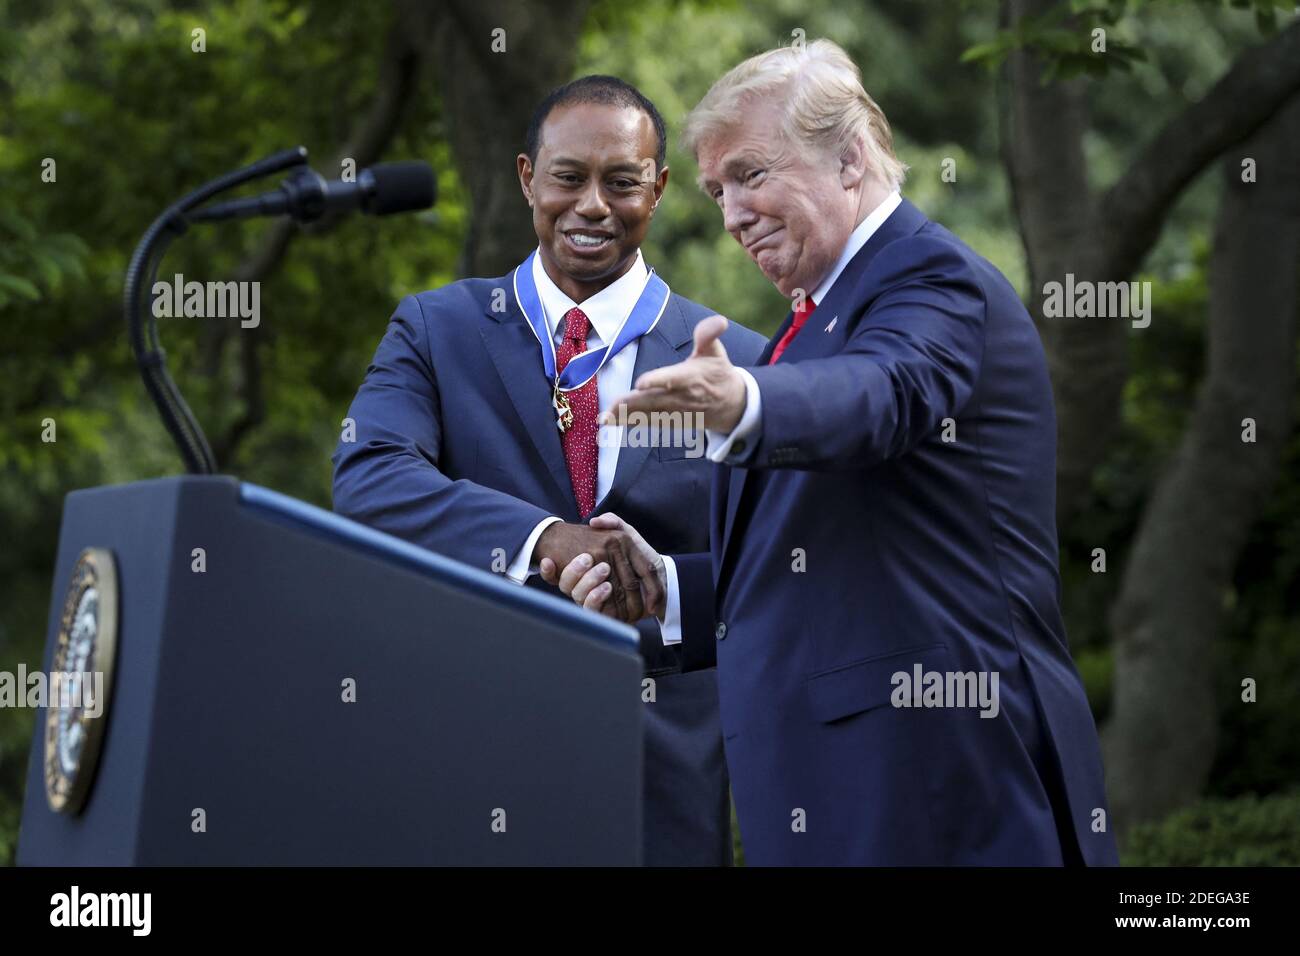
(705, 384)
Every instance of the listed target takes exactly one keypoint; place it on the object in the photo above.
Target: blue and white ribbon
(583, 367)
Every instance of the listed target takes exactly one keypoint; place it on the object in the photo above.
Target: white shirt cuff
(521, 567)
(718, 446)
(670, 628)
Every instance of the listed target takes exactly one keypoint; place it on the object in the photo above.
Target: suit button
(721, 632)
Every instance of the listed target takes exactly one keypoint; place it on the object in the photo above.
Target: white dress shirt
(719, 446)
(606, 310)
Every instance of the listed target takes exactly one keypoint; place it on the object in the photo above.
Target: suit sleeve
(911, 362)
(695, 583)
(389, 477)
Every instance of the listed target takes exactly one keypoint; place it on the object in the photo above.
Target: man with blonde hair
(895, 682)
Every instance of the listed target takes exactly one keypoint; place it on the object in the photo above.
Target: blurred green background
(133, 117)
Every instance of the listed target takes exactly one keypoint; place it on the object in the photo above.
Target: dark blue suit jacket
(857, 543)
(456, 450)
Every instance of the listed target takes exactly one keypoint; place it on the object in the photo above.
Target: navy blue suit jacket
(456, 450)
(857, 543)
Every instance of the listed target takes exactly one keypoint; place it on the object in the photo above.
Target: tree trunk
(1159, 744)
(1042, 148)
(488, 98)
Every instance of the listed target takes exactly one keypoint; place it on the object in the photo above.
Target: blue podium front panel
(292, 687)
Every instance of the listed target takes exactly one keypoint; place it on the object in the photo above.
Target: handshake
(605, 566)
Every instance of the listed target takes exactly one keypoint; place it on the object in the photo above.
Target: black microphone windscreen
(401, 187)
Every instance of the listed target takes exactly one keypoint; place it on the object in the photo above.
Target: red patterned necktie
(800, 317)
(579, 439)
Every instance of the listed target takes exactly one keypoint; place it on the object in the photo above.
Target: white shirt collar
(857, 239)
(606, 309)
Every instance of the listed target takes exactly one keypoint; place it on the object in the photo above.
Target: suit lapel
(668, 343)
(517, 356)
(739, 476)
(771, 343)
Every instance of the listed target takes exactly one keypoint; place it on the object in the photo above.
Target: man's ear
(853, 164)
(660, 182)
(525, 167)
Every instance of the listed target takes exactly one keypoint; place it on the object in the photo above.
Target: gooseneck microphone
(307, 196)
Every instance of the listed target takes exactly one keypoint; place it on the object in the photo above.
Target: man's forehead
(728, 155)
(755, 134)
(616, 163)
(584, 130)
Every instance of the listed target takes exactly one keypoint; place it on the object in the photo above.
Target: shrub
(1245, 831)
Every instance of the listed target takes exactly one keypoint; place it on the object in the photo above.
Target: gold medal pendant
(563, 413)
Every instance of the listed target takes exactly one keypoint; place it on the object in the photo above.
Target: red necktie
(579, 439)
(800, 317)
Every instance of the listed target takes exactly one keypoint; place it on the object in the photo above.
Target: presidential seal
(87, 644)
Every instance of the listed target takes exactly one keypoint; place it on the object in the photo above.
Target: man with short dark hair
(477, 434)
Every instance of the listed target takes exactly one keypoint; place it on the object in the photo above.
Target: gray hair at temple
(824, 103)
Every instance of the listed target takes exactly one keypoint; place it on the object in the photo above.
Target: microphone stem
(141, 324)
